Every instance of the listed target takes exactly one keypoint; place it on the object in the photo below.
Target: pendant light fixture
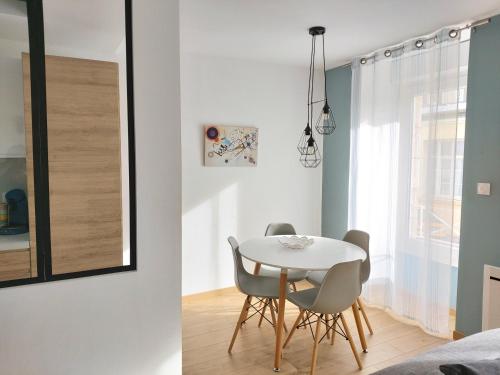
(310, 156)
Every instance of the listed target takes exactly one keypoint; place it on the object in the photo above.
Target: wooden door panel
(83, 118)
(83, 130)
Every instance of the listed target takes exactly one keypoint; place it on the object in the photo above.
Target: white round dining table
(321, 255)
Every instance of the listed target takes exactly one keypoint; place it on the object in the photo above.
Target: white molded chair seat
(280, 229)
(259, 286)
(338, 291)
(355, 237)
(252, 285)
(316, 277)
(266, 289)
(361, 239)
(304, 298)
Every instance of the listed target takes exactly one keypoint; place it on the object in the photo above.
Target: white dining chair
(337, 292)
(361, 239)
(264, 289)
(281, 229)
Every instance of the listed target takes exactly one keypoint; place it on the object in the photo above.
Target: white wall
(241, 201)
(12, 139)
(128, 323)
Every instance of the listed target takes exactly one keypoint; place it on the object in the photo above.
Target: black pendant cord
(312, 81)
(324, 67)
(311, 63)
(310, 156)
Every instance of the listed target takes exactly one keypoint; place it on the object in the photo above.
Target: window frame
(40, 152)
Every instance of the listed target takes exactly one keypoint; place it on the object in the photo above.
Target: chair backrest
(339, 289)
(280, 229)
(240, 273)
(361, 239)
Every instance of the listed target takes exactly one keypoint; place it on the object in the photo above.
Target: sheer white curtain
(407, 131)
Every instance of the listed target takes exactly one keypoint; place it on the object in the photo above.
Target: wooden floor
(209, 321)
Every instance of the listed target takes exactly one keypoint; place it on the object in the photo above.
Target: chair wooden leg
(359, 326)
(333, 331)
(266, 303)
(273, 316)
(351, 342)
(246, 312)
(294, 327)
(294, 287)
(365, 316)
(243, 314)
(327, 323)
(284, 324)
(315, 347)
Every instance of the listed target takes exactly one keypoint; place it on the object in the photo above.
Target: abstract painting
(231, 146)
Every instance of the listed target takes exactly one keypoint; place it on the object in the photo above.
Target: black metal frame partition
(40, 152)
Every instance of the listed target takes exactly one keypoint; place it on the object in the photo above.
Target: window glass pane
(437, 157)
(17, 247)
(87, 129)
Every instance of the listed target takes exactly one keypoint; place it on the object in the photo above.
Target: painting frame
(230, 146)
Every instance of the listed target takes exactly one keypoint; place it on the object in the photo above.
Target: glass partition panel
(18, 255)
(88, 134)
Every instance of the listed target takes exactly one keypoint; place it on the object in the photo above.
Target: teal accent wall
(336, 155)
(480, 239)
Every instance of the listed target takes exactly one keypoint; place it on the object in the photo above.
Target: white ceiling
(13, 7)
(13, 20)
(93, 25)
(276, 30)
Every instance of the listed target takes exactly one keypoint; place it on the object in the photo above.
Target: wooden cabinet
(15, 264)
(84, 155)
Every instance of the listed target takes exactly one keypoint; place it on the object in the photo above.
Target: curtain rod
(472, 25)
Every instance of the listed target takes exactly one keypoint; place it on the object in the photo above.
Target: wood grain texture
(15, 264)
(359, 326)
(83, 124)
(365, 315)
(83, 130)
(278, 347)
(30, 183)
(208, 323)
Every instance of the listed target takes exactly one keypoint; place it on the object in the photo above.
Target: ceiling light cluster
(310, 156)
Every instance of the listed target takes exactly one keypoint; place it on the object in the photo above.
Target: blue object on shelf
(18, 213)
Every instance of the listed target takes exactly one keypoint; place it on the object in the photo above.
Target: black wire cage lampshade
(325, 124)
(304, 138)
(310, 156)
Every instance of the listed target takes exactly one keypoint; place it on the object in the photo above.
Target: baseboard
(457, 335)
(209, 294)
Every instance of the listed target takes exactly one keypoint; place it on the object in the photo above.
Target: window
(450, 160)
(437, 156)
(67, 159)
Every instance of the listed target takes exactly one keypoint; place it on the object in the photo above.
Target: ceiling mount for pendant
(310, 156)
(317, 30)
